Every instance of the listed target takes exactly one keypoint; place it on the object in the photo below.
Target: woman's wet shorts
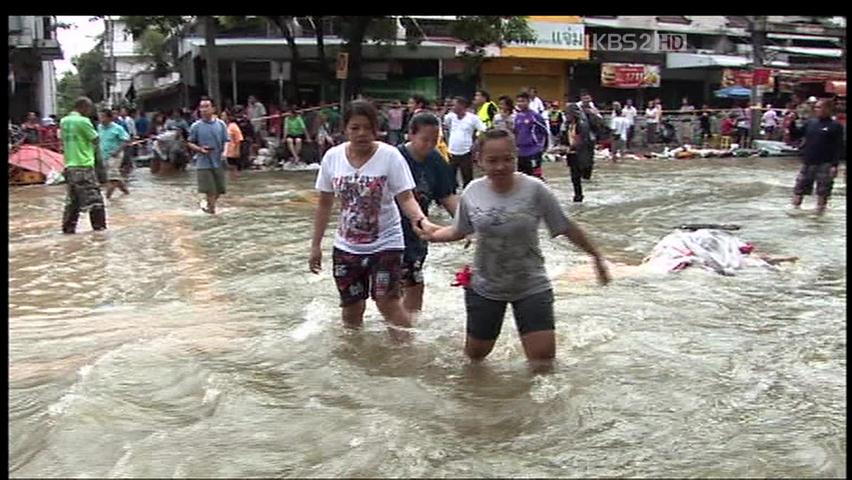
(485, 316)
(379, 273)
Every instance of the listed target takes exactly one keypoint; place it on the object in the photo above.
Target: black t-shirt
(705, 122)
(433, 181)
(823, 141)
(246, 128)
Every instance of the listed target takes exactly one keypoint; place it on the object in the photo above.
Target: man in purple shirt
(530, 136)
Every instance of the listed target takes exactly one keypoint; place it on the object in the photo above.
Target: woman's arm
(443, 234)
(450, 204)
(321, 217)
(576, 236)
(410, 207)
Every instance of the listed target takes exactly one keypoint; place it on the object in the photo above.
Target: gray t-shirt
(508, 264)
(213, 134)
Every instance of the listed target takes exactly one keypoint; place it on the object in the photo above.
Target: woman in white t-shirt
(367, 177)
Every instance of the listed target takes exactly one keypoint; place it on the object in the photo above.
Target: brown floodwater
(177, 344)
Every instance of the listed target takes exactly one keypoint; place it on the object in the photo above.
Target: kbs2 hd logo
(637, 42)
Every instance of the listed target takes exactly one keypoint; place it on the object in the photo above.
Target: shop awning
(699, 60)
(836, 87)
(734, 92)
(808, 51)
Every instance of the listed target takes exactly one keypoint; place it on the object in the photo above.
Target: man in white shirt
(769, 122)
(256, 111)
(462, 126)
(630, 113)
(536, 104)
(652, 120)
(620, 125)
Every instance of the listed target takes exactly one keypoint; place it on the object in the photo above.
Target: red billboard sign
(626, 75)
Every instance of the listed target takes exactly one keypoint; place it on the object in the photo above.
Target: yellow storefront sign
(557, 38)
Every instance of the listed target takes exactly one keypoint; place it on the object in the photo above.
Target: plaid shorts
(378, 273)
(821, 174)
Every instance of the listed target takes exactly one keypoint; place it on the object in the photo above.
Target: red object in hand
(462, 277)
(746, 249)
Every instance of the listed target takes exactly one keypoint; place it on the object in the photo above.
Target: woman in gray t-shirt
(505, 209)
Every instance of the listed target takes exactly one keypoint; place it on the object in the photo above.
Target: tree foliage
(90, 67)
(478, 32)
(153, 43)
(68, 89)
(165, 24)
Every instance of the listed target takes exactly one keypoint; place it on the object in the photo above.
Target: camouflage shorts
(82, 188)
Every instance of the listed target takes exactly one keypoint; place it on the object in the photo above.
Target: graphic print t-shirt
(369, 220)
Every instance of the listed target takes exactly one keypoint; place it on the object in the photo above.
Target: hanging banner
(747, 78)
(629, 75)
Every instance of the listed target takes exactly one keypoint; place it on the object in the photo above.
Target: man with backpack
(581, 145)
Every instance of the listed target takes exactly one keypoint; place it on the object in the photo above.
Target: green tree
(152, 43)
(477, 32)
(480, 31)
(68, 89)
(169, 25)
(90, 67)
(287, 26)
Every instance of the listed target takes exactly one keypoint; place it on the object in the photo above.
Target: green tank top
(295, 126)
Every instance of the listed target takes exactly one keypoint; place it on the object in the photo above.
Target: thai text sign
(562, 36)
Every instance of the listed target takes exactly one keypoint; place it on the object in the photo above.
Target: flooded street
(177, 344)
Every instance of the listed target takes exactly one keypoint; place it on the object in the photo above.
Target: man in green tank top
(83, 190)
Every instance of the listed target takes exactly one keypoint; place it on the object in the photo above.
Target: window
(47, 29)
(15, 24)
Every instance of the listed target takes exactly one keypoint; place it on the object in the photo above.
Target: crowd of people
(387, 166)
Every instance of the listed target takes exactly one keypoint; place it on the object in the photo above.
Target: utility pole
(758, 35)
(212, 60)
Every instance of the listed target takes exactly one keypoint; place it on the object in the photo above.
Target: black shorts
(810, 174)
(529, 164)
(485, 316)
(235, 162)
(302, 136)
